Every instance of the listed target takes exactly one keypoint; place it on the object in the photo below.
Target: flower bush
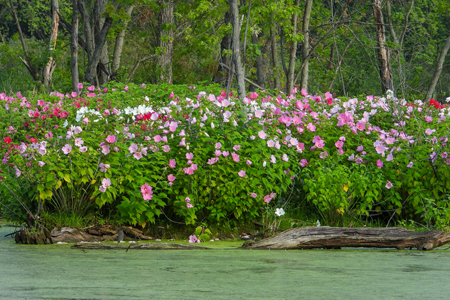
(202, 157)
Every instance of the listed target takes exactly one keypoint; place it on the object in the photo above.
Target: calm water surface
(58, 272)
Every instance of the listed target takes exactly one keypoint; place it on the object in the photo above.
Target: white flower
(279, 212)
(318, 223)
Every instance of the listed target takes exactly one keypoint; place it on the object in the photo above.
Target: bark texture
(337, 237)
(438, 70)
(384, 58)
(236, 48)
(24, 236)
(225, 45)
(292, 54)
(165, 41)
(118, 47)
(275, 62)
(50, 67)
(305, 53)
(74, 47)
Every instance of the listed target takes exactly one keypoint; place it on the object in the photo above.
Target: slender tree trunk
(260, 74)
(292, 54)
(50, 67)
(74, 48)
(118, 47)
(165, 41)
(383, 52)
(275, 62)
(305, 54)
(99, 9)
(26, 60)
(438, 70)
(222, 73)
(236, 48)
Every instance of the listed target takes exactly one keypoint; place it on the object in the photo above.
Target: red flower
(8, 140)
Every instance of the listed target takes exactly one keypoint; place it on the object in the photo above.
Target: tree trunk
(165, 41)
(99, 9)
(438, 70)
(275, 62)
(292, 54)
(26, 60)
(305, 54)
(50, 67)
(383, 52)
(236, 48)
(118, 47)
(337, 237)
(222, 73)
(260, 74)
(95, 38)
(74, 47)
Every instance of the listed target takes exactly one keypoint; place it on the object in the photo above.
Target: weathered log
(337, 237)
(143, 246)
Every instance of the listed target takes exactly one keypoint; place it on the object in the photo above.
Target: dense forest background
(348, 47)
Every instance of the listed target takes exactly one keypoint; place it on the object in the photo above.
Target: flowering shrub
(204, 157)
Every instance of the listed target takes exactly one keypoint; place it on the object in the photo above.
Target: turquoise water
(56, 271)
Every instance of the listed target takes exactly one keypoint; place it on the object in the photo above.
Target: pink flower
(248, 162)
(189, 155)
(410, 165)
(379, 164)
(218, 145)
(188, 205)
(188, 171)
(42, 151)
(111, 139)
(106, 149)
(241, 173)
(157, 138)
(339, 144)
(102, 188)
(193, 239)
(166, 148)
(147, 192)
(254, 195)
(286, 158)
(237, 147)
(187, 200)
(67, 148)
(172, 163)
(273, 159)
(311, 127)
(171, 178)
(91, 88)
(106, 112)
(267, 199)
(137, 155)
(225, 153)
(303, 162)
(270, 143)
(173, 126)
(83, 149)
(106, 182)
(103, 167)
(262, 134)
(360, 148)
(389, 185)
(79, 142)
(41, 163)
(217, 153)
(183, 142)
(235, 156)
(133, 148)
(212, 161)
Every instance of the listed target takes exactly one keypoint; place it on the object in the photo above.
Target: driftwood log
(143, 246)
(337, 237)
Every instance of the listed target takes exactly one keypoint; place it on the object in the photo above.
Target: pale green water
(56, 271)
